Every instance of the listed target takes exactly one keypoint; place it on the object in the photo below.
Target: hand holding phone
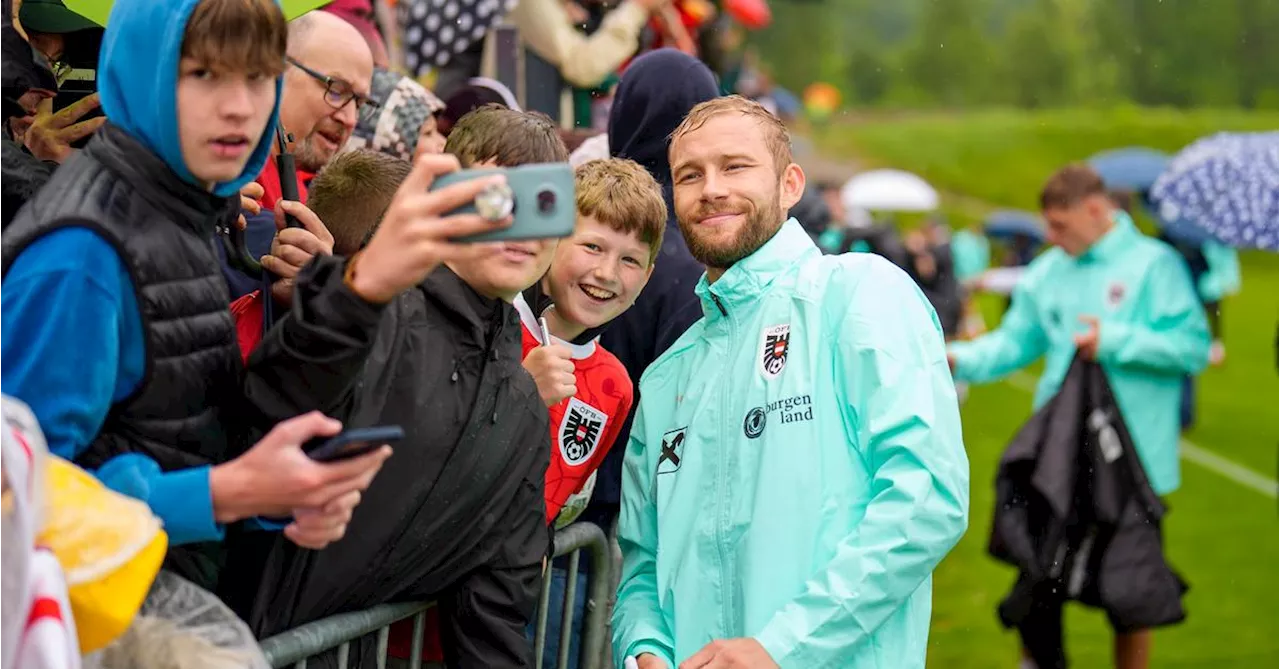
(418, 231)
(541, 197)
(352, 443)
(275, 478)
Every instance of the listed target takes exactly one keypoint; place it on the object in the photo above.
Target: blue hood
(655, 93)
(138, 83)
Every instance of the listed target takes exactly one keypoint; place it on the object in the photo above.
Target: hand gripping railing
(292, 648)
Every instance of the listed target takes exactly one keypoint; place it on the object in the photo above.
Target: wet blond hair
(776, 136)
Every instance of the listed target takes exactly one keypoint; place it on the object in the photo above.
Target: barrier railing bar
(288, 647)
(591, 537)
(566, 617)
(293, 647)
(384, 640)
(419, 631)
(540, 624)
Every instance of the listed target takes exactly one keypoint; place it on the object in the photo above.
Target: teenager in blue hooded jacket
(116, 329)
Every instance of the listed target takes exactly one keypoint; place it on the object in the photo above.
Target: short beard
(761, 225)
(308, 158)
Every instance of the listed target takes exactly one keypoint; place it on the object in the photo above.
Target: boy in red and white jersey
(595, 276)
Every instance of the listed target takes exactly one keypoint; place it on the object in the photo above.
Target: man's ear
(1098, 207)
(791, 186)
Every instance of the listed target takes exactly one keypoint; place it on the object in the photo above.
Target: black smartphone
(352, 443)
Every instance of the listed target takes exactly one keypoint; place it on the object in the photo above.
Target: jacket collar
(477, 316)
(538, 302)
(752, 276)
(532, 323)
(151, 178)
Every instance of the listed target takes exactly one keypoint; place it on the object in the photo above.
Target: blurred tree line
(1028, 53)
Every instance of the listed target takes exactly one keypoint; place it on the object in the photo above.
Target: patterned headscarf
(406, 105)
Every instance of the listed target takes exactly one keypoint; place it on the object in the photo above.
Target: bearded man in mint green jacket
(795, 471)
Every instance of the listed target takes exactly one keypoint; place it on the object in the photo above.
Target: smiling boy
(461, 518)
(594, 277)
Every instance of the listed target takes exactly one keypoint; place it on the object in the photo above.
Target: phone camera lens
(546, 201)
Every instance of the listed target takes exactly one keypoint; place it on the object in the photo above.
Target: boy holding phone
(461, 518)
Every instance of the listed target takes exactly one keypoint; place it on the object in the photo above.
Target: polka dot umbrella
(437, 30)
(1229, 185)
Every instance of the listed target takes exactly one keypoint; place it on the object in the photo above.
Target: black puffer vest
(162, 228)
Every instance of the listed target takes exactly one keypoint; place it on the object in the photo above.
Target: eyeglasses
(338, 93)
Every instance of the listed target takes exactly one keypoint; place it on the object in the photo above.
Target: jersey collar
(531, 323)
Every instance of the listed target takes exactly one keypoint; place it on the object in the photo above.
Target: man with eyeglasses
(326, 86)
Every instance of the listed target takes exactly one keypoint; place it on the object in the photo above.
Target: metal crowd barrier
(294, 647)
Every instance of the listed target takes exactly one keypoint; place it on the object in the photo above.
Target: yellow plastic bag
(109, 545)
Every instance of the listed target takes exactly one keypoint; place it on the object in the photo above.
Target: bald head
(330, 47)
(318, 27)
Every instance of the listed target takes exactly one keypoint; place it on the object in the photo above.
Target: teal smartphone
(544, 205)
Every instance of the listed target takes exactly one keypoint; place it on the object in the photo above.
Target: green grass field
(1222, 536)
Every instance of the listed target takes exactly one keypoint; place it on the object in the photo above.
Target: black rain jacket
(1075, 513)
(457, 515)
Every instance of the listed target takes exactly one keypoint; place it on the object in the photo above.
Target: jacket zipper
(491, 358)
(719, 305)
(721, 507)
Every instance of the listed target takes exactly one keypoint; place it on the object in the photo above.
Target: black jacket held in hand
(457, 514)
(1075, 513)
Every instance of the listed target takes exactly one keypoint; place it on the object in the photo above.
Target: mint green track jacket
(1152, 331)
(796, 470)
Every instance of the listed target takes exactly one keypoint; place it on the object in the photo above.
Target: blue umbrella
(1179, 231)
(1134, 169)
(1008, 223)
(1228, 185)
(1130, 169)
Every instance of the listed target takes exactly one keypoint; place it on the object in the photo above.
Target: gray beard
(308, 158)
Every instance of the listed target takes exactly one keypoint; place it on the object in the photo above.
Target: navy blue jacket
(653, 97)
